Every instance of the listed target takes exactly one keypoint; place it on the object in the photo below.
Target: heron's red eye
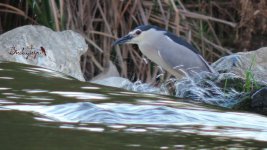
(137, 32)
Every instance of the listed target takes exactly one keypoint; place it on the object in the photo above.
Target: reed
(211, 26)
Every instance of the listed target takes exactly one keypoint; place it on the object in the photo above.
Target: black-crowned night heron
(172, 53)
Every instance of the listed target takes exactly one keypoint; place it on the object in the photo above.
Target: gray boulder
(40, 46)
(240, 63)
(233, 70)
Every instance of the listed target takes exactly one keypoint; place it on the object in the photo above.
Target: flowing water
(43, 109)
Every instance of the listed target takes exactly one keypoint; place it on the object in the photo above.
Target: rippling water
(40, 108)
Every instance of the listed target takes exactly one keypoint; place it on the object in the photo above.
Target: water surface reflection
(39, 107)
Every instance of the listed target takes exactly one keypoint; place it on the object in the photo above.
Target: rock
(259, 101)
(40, 46)
(118, 82)
(110, 71)
(234, 70)
(240, 63)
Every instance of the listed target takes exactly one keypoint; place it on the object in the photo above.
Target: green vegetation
(250, 82)
(247, 85)
(225, 85)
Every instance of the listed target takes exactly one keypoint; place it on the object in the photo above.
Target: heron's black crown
(147, 27)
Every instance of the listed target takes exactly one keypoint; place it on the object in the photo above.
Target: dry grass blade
(14, 10)
(55, 14)
(203, 17)
(93, 44)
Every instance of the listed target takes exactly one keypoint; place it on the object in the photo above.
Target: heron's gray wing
(181, 57)
(181, 41)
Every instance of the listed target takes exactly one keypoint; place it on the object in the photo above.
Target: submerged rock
(126, 84)
(211, 89)
(40, 46)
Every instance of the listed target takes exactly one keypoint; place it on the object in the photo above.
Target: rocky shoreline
(61, 51)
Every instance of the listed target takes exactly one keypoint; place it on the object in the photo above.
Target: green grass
(225, 86)
(250, 82)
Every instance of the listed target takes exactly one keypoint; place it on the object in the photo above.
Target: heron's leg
(161, 74)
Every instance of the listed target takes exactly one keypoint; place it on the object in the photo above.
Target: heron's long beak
(122, 40)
